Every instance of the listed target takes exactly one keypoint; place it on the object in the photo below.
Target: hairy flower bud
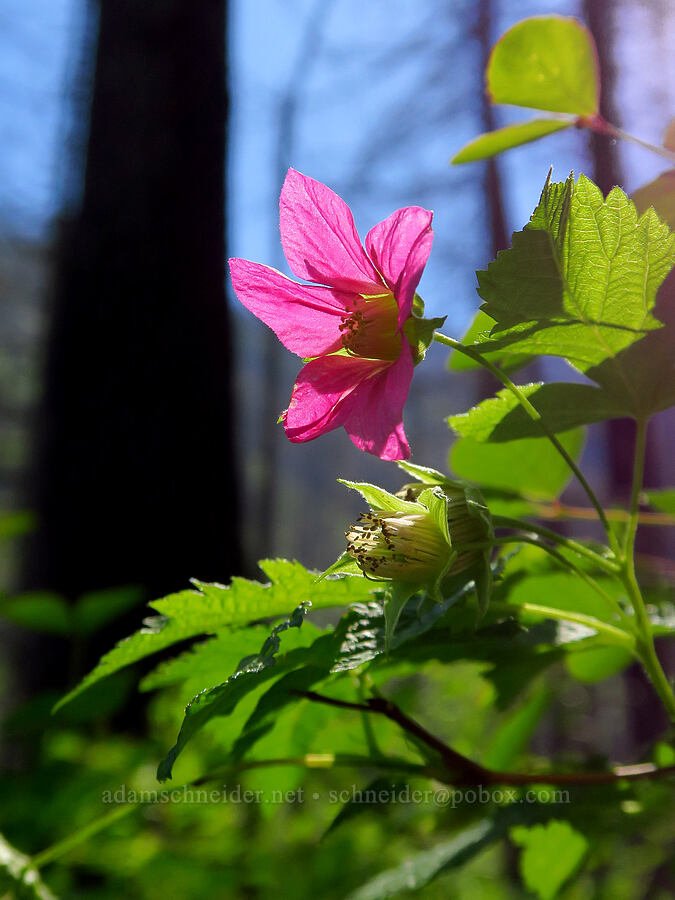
(412, 545)
(399, 546)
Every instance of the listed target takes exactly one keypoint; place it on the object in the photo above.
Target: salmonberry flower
(354, 322)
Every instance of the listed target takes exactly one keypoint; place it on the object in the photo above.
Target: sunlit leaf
(502, 139)
(563, 405)
(546, 62)
(580, 281)
(551, 854)
(212, 607)
(530, 466)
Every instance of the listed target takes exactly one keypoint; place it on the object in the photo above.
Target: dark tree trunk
(135, 466)
(492, 183)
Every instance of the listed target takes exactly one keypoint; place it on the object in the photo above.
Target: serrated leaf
(419, 870)
(211, 661)
(222, 700)
(580, 281)
(212, 607)
(546, 62)
(563, 406)
(506, 138)
(551, 854)
(531, 467)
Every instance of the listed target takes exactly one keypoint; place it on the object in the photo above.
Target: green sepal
(397, 596)
(343, 565)
(420, 331)
(379, 499)
(437, 503)
(425, 474)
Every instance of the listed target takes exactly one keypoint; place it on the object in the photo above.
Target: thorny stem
(536, 417)
(646, 649)
(459, 769)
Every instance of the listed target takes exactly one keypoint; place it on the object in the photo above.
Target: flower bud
(415, 546)
(399, 546)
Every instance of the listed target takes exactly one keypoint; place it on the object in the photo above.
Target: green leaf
(479, 331)
(18, 878)
(376, 796)
(419, 870)
(223, 699)
(580, 281)
(209, 662)
(563, 405)
(551, 854)
(38, 610)
(515, 731)
(658, 195)
(95, 609)
(531, 467)
(502, 139)
(565, 591)
(546, 62)
(598, 663)
(212, 607)
(663, 500)
(396, 598)
(16, 524)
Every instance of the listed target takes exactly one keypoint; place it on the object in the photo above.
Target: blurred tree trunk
(492, 183)
(135, 472)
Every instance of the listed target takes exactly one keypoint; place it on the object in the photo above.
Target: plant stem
(617, 635)
(616, 132)
(557, 510)
(575, 546)
(646, 649)
(536, 416)
(566, 563)
(83, 834)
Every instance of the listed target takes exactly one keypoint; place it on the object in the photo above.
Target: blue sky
(370, 120)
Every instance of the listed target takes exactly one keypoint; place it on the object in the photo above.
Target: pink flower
(349, 321)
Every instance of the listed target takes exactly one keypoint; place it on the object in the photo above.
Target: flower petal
(306, 319)
(324, 394)
(320, 239)
(375, 415)
(400, 247)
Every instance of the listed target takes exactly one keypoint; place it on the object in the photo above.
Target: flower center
(369, 328)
